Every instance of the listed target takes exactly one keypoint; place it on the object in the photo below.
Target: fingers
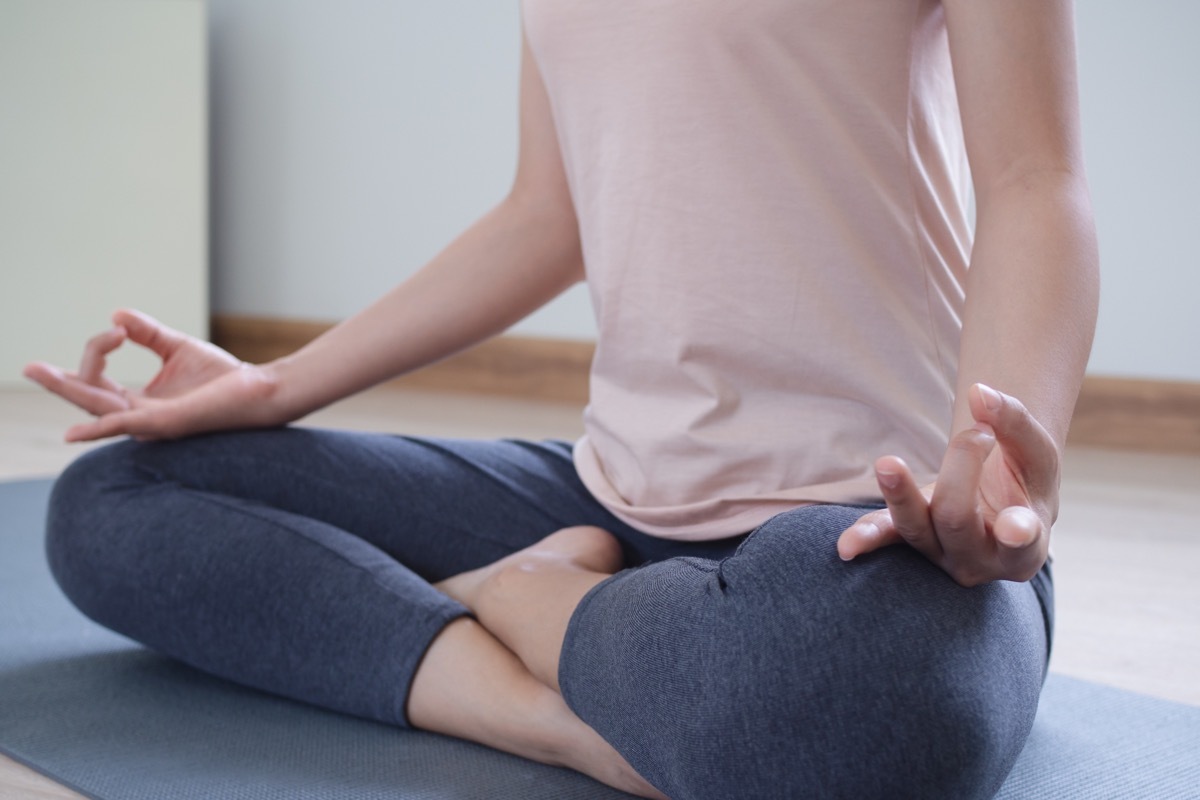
(219, 405)
(95, 352)
(955, 506)
(93, 399)
(89, 388)
(905, 519)
(117, 411)
(149, 332)
(988, 516)
(948, 527)
(1012, 546)
(1017, 527)
(1023, 541)
(870, 532)
(144, 419)
(908, 508)
(1027, 445)
(136, 422)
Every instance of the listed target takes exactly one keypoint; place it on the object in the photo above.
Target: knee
(919, 733)
(81, 519)
(813, 678)
(938, 727)
(785, 672)
(84, 484)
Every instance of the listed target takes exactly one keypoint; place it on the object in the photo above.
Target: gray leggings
(761, 666)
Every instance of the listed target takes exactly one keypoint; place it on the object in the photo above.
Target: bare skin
(494, 680)
(526, 600)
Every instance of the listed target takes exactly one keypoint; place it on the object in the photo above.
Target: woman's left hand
(988, 515)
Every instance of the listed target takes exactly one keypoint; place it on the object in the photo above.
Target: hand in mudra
(200, 387)
(988, 515)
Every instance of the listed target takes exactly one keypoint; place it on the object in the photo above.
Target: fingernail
(889, 480)
(1023, 527)
(1027, 538)
(991, 398)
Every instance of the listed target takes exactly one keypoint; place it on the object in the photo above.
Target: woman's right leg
(473, 687)
(299, 562)
(782, 671)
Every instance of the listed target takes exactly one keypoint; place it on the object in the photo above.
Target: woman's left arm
(1031, 299)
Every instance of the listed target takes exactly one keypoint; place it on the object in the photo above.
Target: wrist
(275, 386)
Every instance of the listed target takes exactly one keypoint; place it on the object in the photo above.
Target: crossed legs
(495, 680)
(301, 562)
(418, 582)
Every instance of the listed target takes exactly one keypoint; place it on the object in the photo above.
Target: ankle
(554, 734)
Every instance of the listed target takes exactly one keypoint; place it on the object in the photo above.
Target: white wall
(353, 140)
(1140, 85)
(102, 174)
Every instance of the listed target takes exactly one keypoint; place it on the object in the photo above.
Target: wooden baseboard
(554, 370)
(1158, 416)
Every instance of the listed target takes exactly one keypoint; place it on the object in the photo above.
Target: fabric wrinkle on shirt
(773, 203)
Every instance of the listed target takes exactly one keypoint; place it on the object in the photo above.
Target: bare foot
(584, 548)
(525, 601)
(471, 686)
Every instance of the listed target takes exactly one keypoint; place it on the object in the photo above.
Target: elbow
(547, 217)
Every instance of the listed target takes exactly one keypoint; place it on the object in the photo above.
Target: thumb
(1017, 528)
(1024, 541)
(117, 423)
(149, 332)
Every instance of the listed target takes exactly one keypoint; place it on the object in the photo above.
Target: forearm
(1032, 294)
(513, 260)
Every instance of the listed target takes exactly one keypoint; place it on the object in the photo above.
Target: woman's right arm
(512, 261)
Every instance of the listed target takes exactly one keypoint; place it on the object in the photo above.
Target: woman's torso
(772, 197)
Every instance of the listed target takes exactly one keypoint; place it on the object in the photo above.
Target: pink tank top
(772, 197)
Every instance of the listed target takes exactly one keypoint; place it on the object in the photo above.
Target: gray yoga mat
(112, 720)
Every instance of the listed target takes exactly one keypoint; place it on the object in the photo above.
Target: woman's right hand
(199, 388)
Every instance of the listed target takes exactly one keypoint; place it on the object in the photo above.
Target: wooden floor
(1126, 545)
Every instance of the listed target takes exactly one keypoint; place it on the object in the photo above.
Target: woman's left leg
(781, 671)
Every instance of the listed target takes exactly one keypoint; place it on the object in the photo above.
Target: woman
(768, 202)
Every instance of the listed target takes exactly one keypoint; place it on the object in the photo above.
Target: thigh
(299, 561)
(439, 506)
(782, 671)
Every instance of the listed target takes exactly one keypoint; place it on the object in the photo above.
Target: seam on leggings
(720, 568)
(217, 500)
(334, 486)
(271, 465)
(1039, 583)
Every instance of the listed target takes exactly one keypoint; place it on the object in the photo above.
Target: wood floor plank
(19, 782)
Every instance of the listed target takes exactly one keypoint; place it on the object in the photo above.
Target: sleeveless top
(773, 203)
